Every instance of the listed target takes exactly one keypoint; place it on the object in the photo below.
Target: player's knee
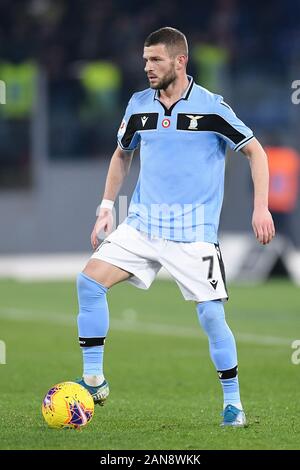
(83, 285)
(211, 315)
(93, 316)
(211, 310)
(88, 288)
(96, 271)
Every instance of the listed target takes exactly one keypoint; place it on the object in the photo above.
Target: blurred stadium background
(68, 69)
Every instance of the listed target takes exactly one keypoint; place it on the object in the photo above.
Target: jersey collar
(186, 93)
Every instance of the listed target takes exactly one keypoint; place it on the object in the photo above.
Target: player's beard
(164, 82)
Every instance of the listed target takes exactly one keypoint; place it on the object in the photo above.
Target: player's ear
(181, 61)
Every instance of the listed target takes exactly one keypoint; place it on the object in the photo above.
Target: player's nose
(148, 67)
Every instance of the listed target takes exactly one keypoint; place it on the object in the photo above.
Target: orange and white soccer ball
(68, 405)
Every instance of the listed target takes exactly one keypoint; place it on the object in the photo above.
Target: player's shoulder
(141, 97)
(209, 99)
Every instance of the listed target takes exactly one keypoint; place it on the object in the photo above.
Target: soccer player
(182, 130)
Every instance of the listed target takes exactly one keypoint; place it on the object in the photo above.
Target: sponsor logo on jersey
(214, 283)
(144, 119)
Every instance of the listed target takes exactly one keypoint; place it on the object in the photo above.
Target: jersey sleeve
(231, 128)
(128, 137)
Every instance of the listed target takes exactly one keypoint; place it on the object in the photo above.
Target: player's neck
(175, 90)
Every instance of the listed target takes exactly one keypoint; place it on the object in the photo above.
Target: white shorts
(196, 267)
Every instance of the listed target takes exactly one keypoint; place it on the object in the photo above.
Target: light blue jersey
(179, 192)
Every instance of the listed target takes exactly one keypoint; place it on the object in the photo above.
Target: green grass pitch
(164, 390)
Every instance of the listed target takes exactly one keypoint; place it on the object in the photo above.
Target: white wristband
(107, 204)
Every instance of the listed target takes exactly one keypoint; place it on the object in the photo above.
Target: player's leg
(93, 321)
(125, 255)
(105, 273)
(223, 353)
(199, 273)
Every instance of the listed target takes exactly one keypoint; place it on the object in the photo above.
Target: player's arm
(118, 169)
(262, 221)
(128, 140)
(240, 137)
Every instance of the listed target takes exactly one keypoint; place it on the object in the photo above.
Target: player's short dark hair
(172, 38)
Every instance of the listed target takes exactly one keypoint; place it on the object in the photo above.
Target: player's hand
(263, 225)
(104, 223)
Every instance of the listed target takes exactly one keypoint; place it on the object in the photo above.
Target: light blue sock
(222, 348)
(231, 392)
(93, 323)
(93, 360)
